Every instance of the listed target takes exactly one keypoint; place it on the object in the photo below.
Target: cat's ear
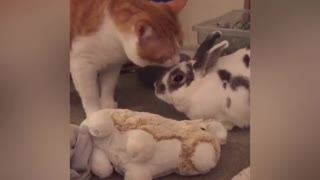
(143, 30)
(177, 5)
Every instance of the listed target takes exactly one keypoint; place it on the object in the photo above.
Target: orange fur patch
(159, 16)
(86, 16)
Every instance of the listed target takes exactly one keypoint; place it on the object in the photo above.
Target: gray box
(234, 25)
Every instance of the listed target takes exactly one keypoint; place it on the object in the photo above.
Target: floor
(134, 95)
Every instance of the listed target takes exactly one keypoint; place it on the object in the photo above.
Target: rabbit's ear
(211, 57)
(206, 45)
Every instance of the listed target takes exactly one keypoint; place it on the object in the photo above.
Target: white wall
(197, 11)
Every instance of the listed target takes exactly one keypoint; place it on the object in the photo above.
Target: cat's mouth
(171, 62)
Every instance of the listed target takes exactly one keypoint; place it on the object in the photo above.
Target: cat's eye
(178, 78)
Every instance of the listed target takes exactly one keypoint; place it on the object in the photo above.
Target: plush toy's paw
(217, 129)
(205, 157)
(100, 165)
(140, 145)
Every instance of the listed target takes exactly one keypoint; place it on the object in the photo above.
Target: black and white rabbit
(210, 85)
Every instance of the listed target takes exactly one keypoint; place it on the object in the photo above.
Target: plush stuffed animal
(143, 146)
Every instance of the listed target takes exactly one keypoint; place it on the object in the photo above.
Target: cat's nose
(173, 61)
(169, 63)
(176, 59)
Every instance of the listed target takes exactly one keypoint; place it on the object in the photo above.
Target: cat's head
(150, 32)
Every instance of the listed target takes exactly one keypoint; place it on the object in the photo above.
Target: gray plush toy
(80, 153)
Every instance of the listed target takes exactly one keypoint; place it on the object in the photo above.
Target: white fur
(218, 130)
(100, 165)
(90, 55)
(137, 155)
(206, 98)
(204, 157)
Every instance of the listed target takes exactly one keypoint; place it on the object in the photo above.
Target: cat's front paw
(107, 104)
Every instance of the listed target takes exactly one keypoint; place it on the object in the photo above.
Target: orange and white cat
(105, 34)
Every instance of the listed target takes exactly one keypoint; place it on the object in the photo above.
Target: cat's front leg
(108, 81)
(84, 77)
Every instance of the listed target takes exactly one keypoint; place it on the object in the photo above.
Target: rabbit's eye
(178, 78)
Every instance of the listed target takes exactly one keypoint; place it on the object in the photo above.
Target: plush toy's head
(215, 128)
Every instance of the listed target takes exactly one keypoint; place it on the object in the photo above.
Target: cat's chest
(101, 48)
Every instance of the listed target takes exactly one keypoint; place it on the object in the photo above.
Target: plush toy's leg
(140, 145)
(204, 157)
(137, 173)
(100, 165)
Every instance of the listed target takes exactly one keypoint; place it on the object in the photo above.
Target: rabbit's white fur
(206, 96)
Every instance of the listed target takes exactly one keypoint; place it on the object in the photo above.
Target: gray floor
(132, 94)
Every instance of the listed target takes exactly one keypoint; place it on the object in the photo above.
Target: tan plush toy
(144, 146)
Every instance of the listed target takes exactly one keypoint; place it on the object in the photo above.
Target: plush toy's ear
(177, 5)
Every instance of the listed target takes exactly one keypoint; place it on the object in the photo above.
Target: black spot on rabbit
(246, 60)
(224, 75)
(239, 81)
(224, 84)
(190, 75)
(228, 102)
(179, 78)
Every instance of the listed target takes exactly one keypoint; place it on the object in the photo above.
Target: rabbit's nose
(160, 87)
